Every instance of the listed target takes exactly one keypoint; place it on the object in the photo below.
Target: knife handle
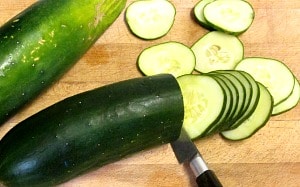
(208, 179)
(205, 176)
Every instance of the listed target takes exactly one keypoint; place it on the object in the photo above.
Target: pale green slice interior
(204, 102)
(150, 19)
(289, 102)
(217, 51)
(170, 57)
(273, 74)
(229, 15)
(198, 12)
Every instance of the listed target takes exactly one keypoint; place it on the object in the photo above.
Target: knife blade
(186, 151)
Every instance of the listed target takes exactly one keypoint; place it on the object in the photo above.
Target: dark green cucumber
(91, 129)
(42, 42)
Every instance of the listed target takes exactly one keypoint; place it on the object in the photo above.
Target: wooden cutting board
(270, 158)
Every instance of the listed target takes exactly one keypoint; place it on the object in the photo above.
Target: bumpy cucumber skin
(44, 41)
(91, 129)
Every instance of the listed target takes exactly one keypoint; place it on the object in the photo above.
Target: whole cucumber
(44, 41)
(91, 129)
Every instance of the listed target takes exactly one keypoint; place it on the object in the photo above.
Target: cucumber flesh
(199, 15)
(234, 97)
(239, 96)
(217, 51)
(170, 57)
(241, 91)
(289, 102)
(257, 120)
(227, 111)
(230, 16)
(150, 19)
(248, 89)
(273, 74)
(204, 102)
(253, 101)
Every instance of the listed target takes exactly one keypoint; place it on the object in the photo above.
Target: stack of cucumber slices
(228, 102)
(223, 91)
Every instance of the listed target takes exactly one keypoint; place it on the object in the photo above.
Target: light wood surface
(270, 158)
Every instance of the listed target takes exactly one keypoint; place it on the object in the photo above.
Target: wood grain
(270, 158)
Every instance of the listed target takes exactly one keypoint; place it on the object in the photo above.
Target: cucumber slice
(273, 74)
(150, 19)
(253, 98)
(289, 102)
(257, 120)
(234, 97)
(170, 57)
(230, 16)
(198, 12)
(217, 51)
(204, 102)
(247, 87)
(229, 106)
(240, 93)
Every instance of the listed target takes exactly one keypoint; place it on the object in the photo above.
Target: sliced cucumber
(242, 102)
(289, 102)
(254, 98)
(170, 57)
(229, 106)
(204, 102)
(217, 51)
(239, 91)
(230, 102)
(257, 120)
(247, 86)
(234, 97)
(198, 12)
(273, 74)
(244, 90)
(230, 16)
(150, 19)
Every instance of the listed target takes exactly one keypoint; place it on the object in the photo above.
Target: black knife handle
(208, 179)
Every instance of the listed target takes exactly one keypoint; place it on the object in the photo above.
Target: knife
(186, 151)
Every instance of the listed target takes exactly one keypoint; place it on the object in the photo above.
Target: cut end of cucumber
(224, 101)
(150, 19)
(230, 16)
(203, 100)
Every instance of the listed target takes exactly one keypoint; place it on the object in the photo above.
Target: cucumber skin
(44, 41)
(263, 123)
(91, 129)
